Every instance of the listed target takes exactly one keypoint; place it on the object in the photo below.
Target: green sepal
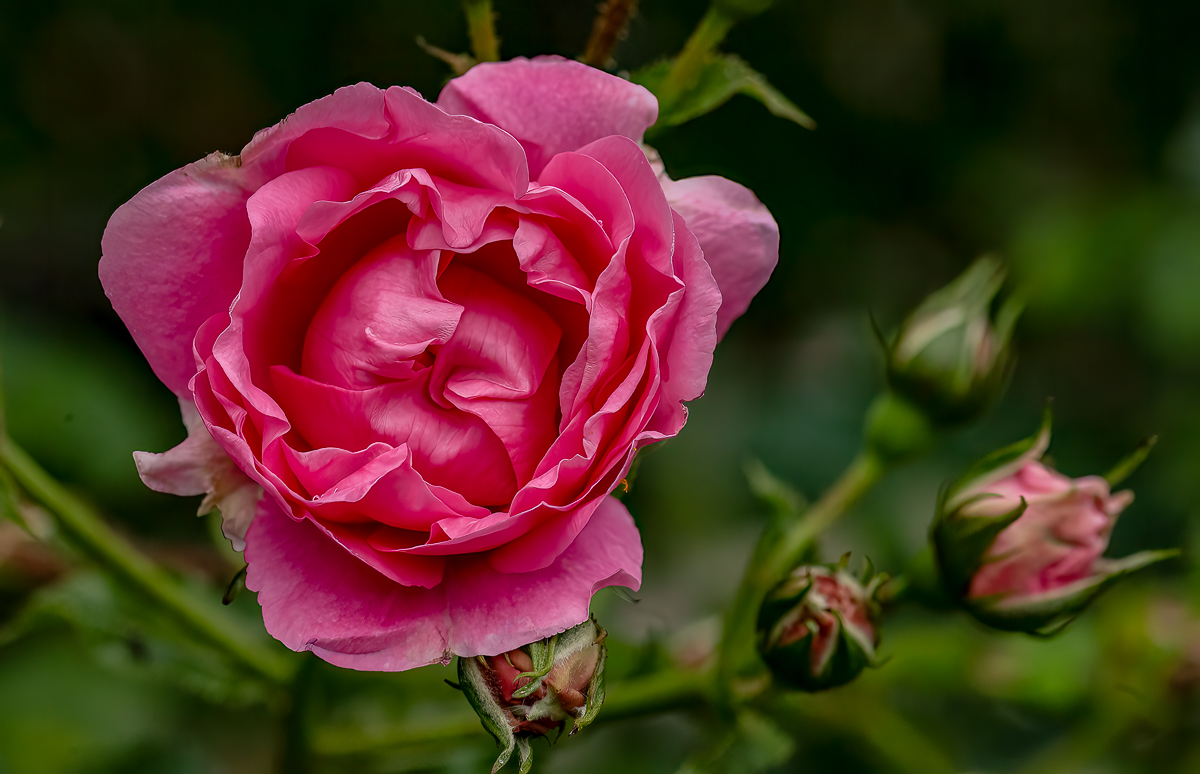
(525, 749)
(960, 543)
(1047, 614)
(785, 598)
(596, 689)
(1132, 461)
(472, 679)
(542, 655)
(720, 78)
(997, 465)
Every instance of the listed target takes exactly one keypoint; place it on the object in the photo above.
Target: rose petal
(317, 597)
(200, 466)
(173, 258)
(739, 237)
(550, 104)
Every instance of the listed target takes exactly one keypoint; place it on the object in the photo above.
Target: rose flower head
(1021, 546)
(417, 345)
(819, 628)
(533, 690)
(952, 356)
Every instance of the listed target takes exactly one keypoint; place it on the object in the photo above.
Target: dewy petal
(200, 466)
(550, 104)
(173, 258)
(739, 237)
(317, 597)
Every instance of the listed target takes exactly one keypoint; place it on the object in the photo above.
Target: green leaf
(721, 77)
(756, 743)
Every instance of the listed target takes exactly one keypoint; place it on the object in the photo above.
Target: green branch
(86, 530)
(659, 692)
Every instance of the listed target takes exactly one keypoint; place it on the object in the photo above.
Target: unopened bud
(537, 688)
(952, 357)
(1021, 546)
(820, 627)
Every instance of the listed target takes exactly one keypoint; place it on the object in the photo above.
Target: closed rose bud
(952, 356)
(536, 689)
(1021, 546)
(820, 627)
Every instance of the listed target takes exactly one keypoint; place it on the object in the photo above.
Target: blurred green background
(1064, 134)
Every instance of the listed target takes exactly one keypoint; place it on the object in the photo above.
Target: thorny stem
(611, 22)
(84, 527)
(739, 667)
(481, 26)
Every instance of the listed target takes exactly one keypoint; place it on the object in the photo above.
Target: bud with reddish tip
(820, 627)
(536, 689)
(952, 356)
(1021, 546)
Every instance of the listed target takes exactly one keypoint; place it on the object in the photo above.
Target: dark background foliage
(1063, 134)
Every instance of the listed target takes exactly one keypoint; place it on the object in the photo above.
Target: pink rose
(434, 335)
(1057, 539)
(1021, 546)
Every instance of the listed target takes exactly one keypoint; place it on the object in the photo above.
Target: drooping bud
(820, 627)
(537, 688)
(1021, 546)
(952, 356)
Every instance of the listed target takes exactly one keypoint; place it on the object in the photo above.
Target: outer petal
(173, 258)
(316, 597)
(739, 237)
(550, 104)
(200, 466)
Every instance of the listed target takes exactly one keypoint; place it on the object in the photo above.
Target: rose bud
(820, 627)
(535, 689)
(952, 357)
(1021, 545)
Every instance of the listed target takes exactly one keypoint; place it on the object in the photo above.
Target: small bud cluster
(820, 627)
(536, 689)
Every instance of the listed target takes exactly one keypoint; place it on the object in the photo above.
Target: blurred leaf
(784, 501)
(130, 638)
(755, 744)
(721, 77)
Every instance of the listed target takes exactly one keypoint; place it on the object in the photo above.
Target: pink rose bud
(820, 627)
(953, 356)
(535, 689)
(1021, 545)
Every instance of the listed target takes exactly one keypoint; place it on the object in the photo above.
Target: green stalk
(659, 692)
(709, 33)
(84, 527)
(740, 671)
(481, 26)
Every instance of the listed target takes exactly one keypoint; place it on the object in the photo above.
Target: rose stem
(659, 692)
(772, 560)
(867, 718)
(89, 532)
(611, 23)
(481, 26)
